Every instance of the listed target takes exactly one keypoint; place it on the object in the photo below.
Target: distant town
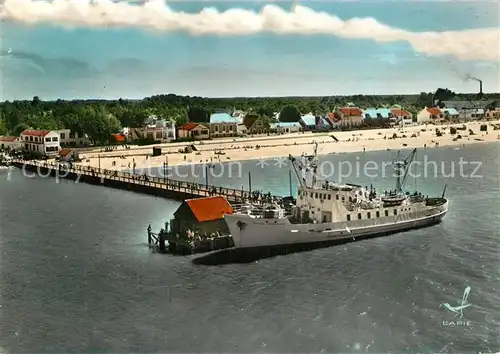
(50, 129)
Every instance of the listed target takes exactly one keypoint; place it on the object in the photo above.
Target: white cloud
(476, 44)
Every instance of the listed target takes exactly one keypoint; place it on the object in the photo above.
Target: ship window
(368, 215)
(377, 214)
(316, 195)
(359, 216)
(395, 211)
(337, 196)
(386, 212)
(329, 196)
(348, 217)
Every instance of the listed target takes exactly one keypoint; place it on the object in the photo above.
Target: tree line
(100, 118)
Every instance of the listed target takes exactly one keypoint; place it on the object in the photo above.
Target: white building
(156, 129)
(8, 143)
(429, 115)
(67, 138)
(288, 127)
(45, 142)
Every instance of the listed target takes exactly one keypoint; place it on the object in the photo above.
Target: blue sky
(62, 56)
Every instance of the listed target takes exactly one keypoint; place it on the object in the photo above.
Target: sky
(132, 49)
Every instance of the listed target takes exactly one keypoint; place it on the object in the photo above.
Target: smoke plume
(474, 44)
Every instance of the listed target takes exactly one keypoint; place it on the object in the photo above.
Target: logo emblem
(458, 310)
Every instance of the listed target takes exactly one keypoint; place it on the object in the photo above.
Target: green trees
(99, 118)
(290, 114)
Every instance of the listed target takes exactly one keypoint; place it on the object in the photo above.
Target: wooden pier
(157, 186)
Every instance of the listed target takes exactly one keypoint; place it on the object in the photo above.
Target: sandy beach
(264, 147)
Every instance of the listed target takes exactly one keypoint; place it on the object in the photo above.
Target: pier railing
(188, 189)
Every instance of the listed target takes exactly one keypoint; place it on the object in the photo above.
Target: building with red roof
(349, 116)
(194, 131)
(205, 215)
(45, 142)
(429, 114)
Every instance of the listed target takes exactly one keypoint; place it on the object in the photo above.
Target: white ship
(327, 211)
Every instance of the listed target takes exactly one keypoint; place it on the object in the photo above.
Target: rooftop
(223, 118)
(8, 139)
(38, 133)
(209, 208)
(375, 113)
(351, 111)
(188, 126)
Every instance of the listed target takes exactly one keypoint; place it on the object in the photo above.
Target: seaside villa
(194, 131)
(45, 142)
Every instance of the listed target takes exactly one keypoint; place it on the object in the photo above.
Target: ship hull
(248, 232)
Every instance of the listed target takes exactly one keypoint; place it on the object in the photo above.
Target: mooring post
(206, 176)
(161, 241)
(250, 182)
(149, 234)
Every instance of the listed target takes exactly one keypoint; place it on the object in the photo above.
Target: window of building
(386, 212)
(55, 138)
(316, 195)
(63, 136)
(329, 196)
(359, 216)
(377, 214)
(368, 215)
(348, 217)
(395, 212)
(337, 196)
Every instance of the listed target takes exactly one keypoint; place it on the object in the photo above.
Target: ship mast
(309, 165)
(403, 165)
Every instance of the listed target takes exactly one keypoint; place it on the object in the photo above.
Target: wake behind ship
(327, 211)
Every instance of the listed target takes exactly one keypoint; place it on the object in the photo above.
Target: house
(67, 138)
(8, 143)
(205, 215)
(224, 125)
(259, 125)
(377, 113)
(69, 155)
(401, 116)
(45, 142)
(348, 116)
(154, 129)
(429, 114)
(468, 110)
(194, 131)
(450, 113)
(287, 127)
(492, 113)
(312, 122)
(308, 122)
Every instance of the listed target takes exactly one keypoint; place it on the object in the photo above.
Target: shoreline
(296, 144)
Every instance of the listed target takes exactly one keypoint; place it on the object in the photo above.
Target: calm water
(76, 275)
